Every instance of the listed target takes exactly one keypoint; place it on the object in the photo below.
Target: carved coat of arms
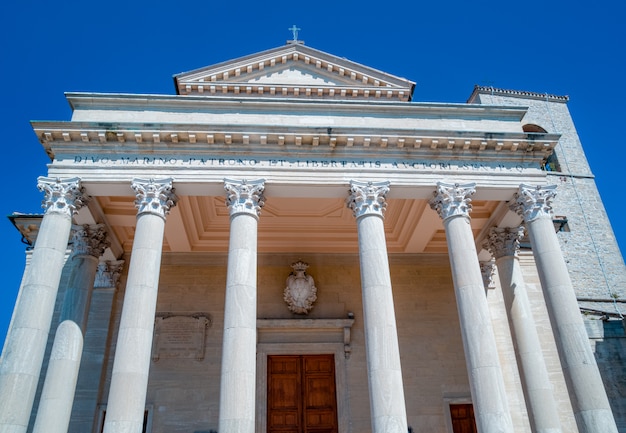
(300, 292)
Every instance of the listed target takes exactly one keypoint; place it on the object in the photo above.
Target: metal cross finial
(294, 30)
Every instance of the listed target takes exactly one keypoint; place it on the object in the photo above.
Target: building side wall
(594, 260)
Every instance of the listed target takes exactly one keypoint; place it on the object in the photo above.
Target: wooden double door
(301, 394)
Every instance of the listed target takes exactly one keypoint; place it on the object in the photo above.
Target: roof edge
(490, 90)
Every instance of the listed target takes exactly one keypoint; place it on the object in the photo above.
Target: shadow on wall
(609, 337)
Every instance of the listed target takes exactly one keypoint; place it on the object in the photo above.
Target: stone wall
(183, 394)
(594, 260)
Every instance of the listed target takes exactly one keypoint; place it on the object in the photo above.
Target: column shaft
(481, 354)
(238, 377)
(55, 404)
(129, 379)
(26, 343)
(381, 339)
(588, 396)
(535, 380)
(238, 374)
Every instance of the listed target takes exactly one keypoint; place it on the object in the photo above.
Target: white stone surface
(589, 400)
(489, 397)
(539, 391)
(25, 345)
(55, 404)
(381, 339)
(238, 377)
(591, 406)
(129, 381)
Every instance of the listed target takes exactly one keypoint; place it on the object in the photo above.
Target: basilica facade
(290, 244)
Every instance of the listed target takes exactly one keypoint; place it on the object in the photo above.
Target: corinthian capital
(367, 198)
(504, 242)
(532, 202)
(487, 270)
(65, 196)
(155, 197)
(108, 274)
(244, 196)
(89, 240)
(450, 200)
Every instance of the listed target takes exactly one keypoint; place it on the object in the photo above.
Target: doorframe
(341, 383)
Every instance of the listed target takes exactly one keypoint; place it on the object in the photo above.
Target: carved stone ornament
(532, 202)
(300, 293)
(89, 239)
(244, 196)
(488, 269)
(367, 198)
(450, 200)
(62, 196)
(108, 274)
(504, 242)
(155, 197)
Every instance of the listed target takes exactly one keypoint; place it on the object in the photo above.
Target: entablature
(86, 138)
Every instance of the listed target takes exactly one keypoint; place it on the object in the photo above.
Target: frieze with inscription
(323, 163)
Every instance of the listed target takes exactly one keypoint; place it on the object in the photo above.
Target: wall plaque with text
(180, 336)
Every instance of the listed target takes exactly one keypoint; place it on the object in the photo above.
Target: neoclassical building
(290, 244)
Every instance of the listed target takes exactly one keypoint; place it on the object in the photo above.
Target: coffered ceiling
(308, 225)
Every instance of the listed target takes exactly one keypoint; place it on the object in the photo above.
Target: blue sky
(560, 47)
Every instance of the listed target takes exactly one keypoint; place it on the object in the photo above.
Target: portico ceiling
(307, 225)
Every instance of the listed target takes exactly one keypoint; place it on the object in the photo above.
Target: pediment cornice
(294, 71)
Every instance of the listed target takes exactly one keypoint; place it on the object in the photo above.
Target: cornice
(148, 102)
(515, 93)
(361, 81)
(169, 138)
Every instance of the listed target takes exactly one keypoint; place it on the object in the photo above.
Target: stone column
(88, 387)
(453, 204)
(503, 244)
(589, 401)
(26, 344)
(129, 379)
(367, 201)
(57, 396)
(238, 377)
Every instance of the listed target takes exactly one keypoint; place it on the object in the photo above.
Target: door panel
(301, 394)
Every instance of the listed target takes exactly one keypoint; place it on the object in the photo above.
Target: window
(529, 127)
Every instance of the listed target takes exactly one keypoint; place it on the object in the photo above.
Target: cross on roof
(294, 30)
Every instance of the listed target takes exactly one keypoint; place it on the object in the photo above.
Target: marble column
(57, 396)
(453, 204)
(589, 400)
(367, 201)
(238, 377)
(503, 243)
(88, 387)
(129, 378)
(26, 343)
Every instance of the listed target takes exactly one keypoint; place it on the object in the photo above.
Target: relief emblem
(300, 292)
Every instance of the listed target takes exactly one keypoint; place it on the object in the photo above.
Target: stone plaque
(180, 336)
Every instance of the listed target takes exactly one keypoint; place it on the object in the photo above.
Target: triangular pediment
(294, 71)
